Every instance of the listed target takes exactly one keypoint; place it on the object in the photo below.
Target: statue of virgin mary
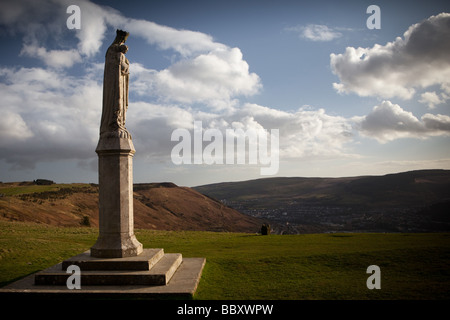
(115, 88)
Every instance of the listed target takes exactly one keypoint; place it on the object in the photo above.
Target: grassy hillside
(414, 188)
(161, 206)
(250, 266)
(415, 201)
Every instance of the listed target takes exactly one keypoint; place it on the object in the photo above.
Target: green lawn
(249, 266)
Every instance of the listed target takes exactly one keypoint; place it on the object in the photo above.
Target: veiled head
(121, 36)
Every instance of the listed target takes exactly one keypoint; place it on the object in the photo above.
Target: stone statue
(115, 89)
(115, 161)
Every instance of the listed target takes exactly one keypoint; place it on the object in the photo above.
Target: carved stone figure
(115, 88)
(115, 161)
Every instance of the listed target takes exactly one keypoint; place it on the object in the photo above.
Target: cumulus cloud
(305, 132)
(95, 20)
(208, 71)
(48, 116)
(53, 58)
(316, 32)
(388, 121)
(185, 42)
(218, 75)
(152, 124)
(214, 79)
(431, 99)
(51, 115)
(397, 69)
(436, 123)
(13, 128)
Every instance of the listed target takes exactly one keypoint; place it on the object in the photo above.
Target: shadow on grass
(5, 283)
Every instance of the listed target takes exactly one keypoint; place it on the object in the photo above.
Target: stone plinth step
(145, 261)
(182, 285)
(159, 274)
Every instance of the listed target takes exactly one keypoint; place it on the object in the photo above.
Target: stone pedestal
(151, 268)
(116, 227)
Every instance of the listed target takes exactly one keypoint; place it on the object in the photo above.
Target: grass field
(250, 266)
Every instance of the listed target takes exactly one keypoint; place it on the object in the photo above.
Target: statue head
(121, 36)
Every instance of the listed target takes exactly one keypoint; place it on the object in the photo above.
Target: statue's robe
(115, 90)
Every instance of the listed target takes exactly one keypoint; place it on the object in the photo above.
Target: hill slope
(162, 206)
(408, 201)
(414, 188)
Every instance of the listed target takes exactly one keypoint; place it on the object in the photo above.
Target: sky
(346, 96)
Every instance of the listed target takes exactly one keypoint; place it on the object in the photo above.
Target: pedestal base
(151, 275)
(153, 267)
(116, 246)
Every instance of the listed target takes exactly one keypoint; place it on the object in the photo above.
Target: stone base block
(152, 267)
(159, 274)
(116, 246)
(182, 285)
(145, 261)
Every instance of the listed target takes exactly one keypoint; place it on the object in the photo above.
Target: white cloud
(97, 18)
(397, 69)
(303, 134)
(437, 123)
(431, 99)
(48, 116)
(39, 21)
(185, 42)
(13, 128)
(218, 75)
(316, 32)
(388, 121)
(207, 72)
(53, 58)
(214, 79)
(94, 22)
(314, 133)
(152, 124)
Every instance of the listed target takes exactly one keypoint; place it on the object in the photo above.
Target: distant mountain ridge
(161, 206)
(337, 204)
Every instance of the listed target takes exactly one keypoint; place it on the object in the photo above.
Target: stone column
(116, 227)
